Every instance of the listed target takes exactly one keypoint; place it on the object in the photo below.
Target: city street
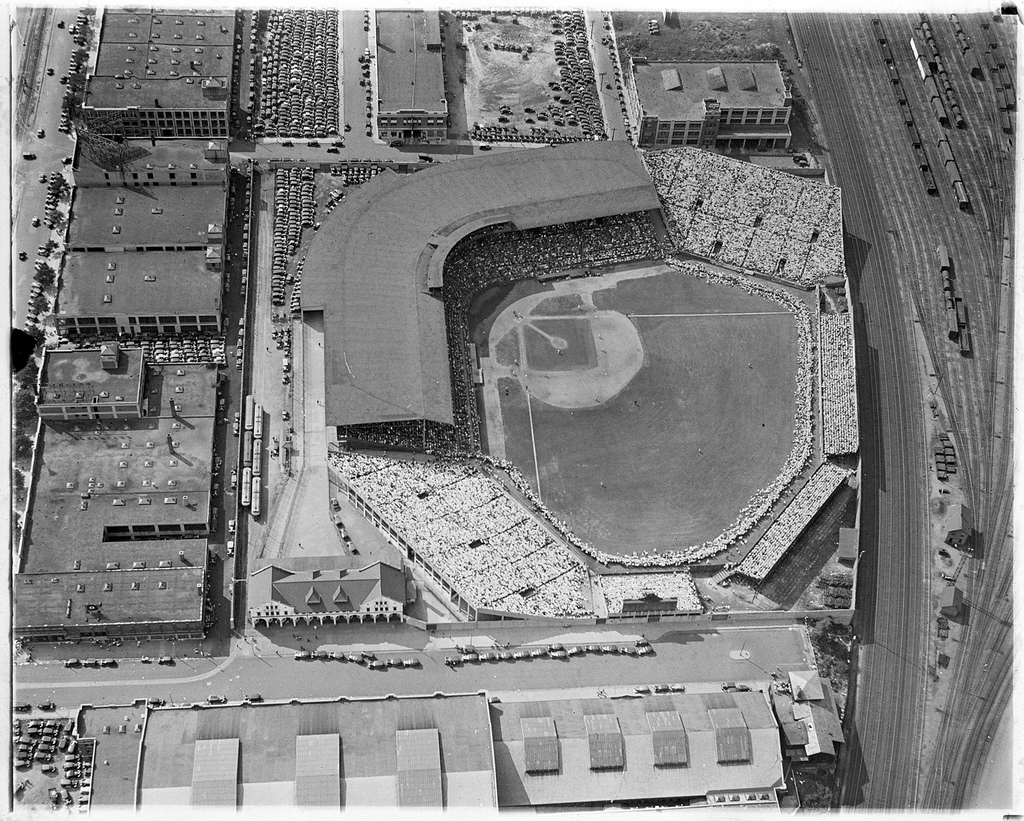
(37, 105)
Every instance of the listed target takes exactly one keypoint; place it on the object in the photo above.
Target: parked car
(165, 660)
(23, 256)
(41, 133)
(303, 655)
(253, 698)
(108, 662)
(50, 72)
(47, 706)
(35, 220)
(28, 156)
(216, 699)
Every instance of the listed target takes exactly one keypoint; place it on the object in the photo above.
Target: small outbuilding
(951, 602)
(959, 525)
(849, 542)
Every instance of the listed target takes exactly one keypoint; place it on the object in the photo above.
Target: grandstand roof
(676, 91)
(636, 749)
(386, 355)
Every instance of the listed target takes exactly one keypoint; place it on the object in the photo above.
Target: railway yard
(894, 227)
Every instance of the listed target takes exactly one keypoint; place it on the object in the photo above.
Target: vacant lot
(496, 77)
(671, 459)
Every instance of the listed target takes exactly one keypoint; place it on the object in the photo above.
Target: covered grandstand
(376, 268)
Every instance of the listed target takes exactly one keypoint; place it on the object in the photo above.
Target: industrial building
(125, 466)
(162, 73)
(325, 590)
(411, 106)
(812, 728)
(473, 750)
(143, 261)
(106, 164)
(723, 106)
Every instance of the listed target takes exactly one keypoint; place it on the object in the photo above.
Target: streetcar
(256, 485)
(246, 486)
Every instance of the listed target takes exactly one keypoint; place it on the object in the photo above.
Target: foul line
(741, 313)
(536, 464)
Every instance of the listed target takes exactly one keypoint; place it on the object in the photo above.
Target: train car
(939, 67)
(913, 47)
(960, 192)
(929, 182)
(965, 342)
(908, 116)
(257, 457)
(931, 91)
(1001, 102)
(945, 263)
(953, 173)
(246, 486)
(922, 158)
(972, 63)
(922, 69)
(257, 422)
(256, 504)
(1006, 121)
(939, 111)
(879, 31)
(990, 62)
(249, 404)
(894, 76)
(247, 449)
(947, 284)
(952, 323)
(945, 150)
(915, 135)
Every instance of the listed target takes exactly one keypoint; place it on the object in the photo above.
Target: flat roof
(182, 216)
(385, 345)
(141, 51)
(368, 732)
(77, 376)
(139, 284)
(107, 597)
(641, 776)
(410, 77)
(127, 460)
(676, 91)
(178, 155)
(113, 786)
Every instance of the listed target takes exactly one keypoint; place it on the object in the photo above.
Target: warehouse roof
(370, 732)
(386, 354)
(147, 217)
(77, 376)
(676, 91)
(181, 156)
(410, 75)
(638, 749)
(138, 284)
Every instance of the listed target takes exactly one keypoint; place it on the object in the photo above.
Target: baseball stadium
(593, 364)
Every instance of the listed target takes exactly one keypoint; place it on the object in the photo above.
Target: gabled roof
(326, 590)
(806, 685)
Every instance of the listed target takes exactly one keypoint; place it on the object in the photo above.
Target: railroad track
(918, 224)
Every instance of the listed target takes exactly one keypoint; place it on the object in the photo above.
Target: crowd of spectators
(495, 257)
(423, 435)
(761, 504)
(463, 524)
(678, 586)
(294, 209)
(748, 216)
(298, 89)
(838, 380)
(785, 530)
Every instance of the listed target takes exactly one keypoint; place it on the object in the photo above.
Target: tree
(27, 376)
(22, 447)
(24, 408)
(45, 275)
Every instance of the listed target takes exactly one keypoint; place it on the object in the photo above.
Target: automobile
(320, 654)
(47, 706)
(559, 654)
(629, 651)
(520, 654)
(410, 662)
(41, 133)
(393, 662)
(574, 650)
(642, 642)
(609, 648)
(71, 662)
(488, 657)
(252, 698)
(303, 655)
(60, 24)
(49, 769)
(108, 663)
(50, 72)
(23, 256)
(43, 179)
(286, 415)
(333, 151)
(470, 657)
(234, 479)
(64, 79)
(35, 220)
(336, 656)
(231, 526)
(641, 688)
(28, 156)
(645, 651)
(553, 647)
(538, 653)
(504, 655)
(677, 688)
(146, 660)
(592, 648)
(156, 702)
(661, 688)
(377, 665)
(165, 660)
(355, 658)
(484, 147)
(216, 699)
(287, 144)
(313, 144)
(230, 544)
(40, 756)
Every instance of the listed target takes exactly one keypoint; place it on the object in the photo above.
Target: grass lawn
(559, 345)
(672, 459)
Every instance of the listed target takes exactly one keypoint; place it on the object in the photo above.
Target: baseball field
(645, 407)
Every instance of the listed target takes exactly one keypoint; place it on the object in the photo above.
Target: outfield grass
(672, 459)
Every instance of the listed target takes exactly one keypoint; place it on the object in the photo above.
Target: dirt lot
(496, 77)
(722, 37)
